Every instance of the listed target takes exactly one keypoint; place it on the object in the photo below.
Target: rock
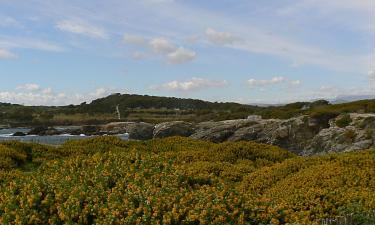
(44, 131)
(325, 141)
(3, 126)
(18, 134)
(366, 144)
(250, 133)
(38, 130)
(220, 131)
(175, 128)
(302, 135)
(90, 130)
(73, 131)
(293, 134)
(136, 131)
(87, 130)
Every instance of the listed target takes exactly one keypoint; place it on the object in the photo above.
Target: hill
(155, 109)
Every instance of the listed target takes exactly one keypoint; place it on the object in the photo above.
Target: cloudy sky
(59, 52)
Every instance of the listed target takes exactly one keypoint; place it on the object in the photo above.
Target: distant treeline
(159, 109)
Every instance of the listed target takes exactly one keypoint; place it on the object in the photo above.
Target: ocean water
(6, 135)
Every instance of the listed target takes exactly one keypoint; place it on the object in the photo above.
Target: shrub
(322, 117)
(344, 121)
(181, 181)
(350, 135)
(369, 133)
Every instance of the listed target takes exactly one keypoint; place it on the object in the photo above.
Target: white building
(254, 117)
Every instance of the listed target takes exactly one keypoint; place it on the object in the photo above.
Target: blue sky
(59, 52)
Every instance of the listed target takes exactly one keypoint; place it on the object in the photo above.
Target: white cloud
(134, 39)
(33, 94)
(273, 81)
(260, 83)
(193, 39)
(220, 38)
(330, 6)
(25, 43)
(256, 39)
(28, 87)
(255, 36)
(5, 54)
(79, 26)
(6, 21)
(295, 83)
(159, 46)
(162, 46)
(371, 74)
(193, 84)
(181, 55)
(139, 55)
(356, 15)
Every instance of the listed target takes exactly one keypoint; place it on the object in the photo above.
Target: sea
(6, 135)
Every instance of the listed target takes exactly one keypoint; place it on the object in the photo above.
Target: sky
(60, 52)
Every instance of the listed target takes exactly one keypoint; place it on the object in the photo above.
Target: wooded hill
(159, 109)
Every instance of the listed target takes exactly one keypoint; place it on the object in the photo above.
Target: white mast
(118, 112)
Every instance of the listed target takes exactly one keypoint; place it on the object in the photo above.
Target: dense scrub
(179, 181)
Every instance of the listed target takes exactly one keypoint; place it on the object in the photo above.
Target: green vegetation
(344, 121)
(161, 109)
(179, 181)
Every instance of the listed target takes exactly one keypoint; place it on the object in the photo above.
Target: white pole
(118, 112)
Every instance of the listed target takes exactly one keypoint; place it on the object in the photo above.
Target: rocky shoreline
(302, 135)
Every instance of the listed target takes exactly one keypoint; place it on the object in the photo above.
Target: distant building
(254, 117)
(305, 107)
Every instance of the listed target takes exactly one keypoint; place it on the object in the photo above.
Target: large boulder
(293, 134)
(87, 130)
(220, 131)
(43, 131)
(90, 130)
(175, 128)
(19, 134)
(302, 135)
(358, 135)
(250, 133)
(136, 131)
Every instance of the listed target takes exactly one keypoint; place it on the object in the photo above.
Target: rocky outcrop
(292, 134)
(220, 131)
(302, 135)
(43, 131)
(137, 131)
(358, 134)
(88, 130)
(175, 128)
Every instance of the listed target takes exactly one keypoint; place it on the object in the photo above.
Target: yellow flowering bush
(179, 181)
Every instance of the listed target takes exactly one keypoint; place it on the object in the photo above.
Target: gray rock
(220, 131)
(250, 133)
(18, 134)
(137, 131)
(366, 144)
(175, 128)
(44, 131)
(302, 135)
